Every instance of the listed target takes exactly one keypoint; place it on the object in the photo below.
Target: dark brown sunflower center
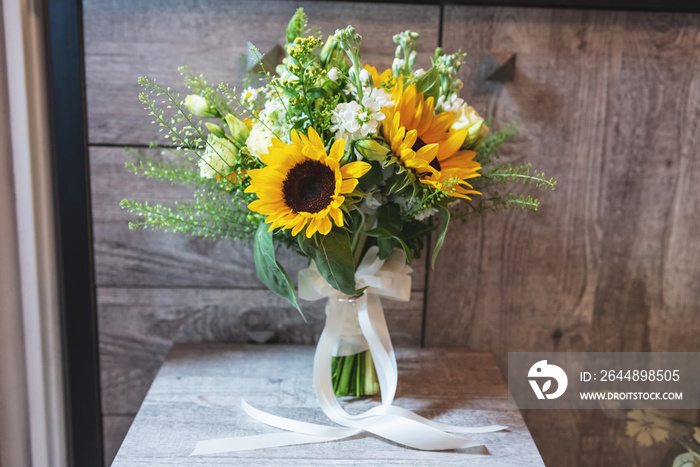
(309, 187)
(435, 163)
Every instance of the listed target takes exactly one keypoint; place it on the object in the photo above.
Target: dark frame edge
(74, 246)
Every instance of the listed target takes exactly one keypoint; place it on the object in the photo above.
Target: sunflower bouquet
(332, 158)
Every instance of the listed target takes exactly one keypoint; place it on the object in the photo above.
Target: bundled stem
(355, 375)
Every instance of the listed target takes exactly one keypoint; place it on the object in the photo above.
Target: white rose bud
(218, 158)
(469, 119)
(364, 75)
(216, 130)
(333, 74)
(200, 106)
(259, 140)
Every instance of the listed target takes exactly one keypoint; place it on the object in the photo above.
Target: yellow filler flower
(303, 186)
(424, 142)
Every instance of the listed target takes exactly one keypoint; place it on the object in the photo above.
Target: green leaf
(429, 83)
(444, 224)
(372, 178)
(389, 218)
(290, 92)
(387, 241)
(269, 270)
(333, 257)
(399, 181)
(316, 93)
(389, 231)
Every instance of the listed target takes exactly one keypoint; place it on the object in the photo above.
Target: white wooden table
(197, 395)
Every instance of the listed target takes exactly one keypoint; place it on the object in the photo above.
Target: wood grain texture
(138, 326)
(608, 103)
(127, 39)
(197, 394)
(138, 258)
(114, 428)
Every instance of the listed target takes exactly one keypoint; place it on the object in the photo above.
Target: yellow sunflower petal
(337, 215)
(299, 224)
(355, 169)
(461, 160)
(337, 150)
(325, 225)
(312, 228)
(452, 144)
(348, 185)
(315, 140)
(428, 152)
(296, 138)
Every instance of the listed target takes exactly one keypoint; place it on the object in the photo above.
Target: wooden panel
(128, 39)
(620, 224)
(138, 326)
(127, 258)
(197, 396)
(608, 103)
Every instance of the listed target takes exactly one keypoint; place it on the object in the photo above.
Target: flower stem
(371, 382)
(345, 374)
(354, 375)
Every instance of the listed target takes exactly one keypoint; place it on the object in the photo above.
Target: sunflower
(425, 142)
(303, 186)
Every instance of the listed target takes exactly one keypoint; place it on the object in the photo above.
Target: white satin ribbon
(386, 278)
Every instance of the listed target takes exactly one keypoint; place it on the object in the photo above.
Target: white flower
(218, 157)
(425, 213)
(271, 122)
(418, 72)
(370, 204)
(259, 140)
(379, 97)
(451, 104)
(250, 95)
(333, 74)
(345, 119)
(398, 64)
(274, 108)
(469, 119)
(200, 106)
(353, 120)
(364, 76)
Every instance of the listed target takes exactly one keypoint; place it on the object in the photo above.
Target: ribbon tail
(249, 443)
(376, 332)
(405, 413)
(299, 433)
(416, 434)
(289, 424)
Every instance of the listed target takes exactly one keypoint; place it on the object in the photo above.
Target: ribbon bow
(383, 278)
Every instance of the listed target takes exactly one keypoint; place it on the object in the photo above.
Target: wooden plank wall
(608, 102)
